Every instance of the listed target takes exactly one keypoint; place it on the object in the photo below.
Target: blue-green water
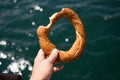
(100, 59)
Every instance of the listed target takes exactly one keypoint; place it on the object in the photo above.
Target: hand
(44, 67)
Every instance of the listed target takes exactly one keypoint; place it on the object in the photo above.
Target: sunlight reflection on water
(17, 65)
(3, 42)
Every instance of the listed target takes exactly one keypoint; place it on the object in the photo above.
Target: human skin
(44, 67)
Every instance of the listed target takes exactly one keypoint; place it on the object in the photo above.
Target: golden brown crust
(74, 52)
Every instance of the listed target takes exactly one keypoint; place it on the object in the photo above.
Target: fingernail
(54, 51)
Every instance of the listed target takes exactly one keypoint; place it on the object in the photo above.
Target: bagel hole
(62, 34)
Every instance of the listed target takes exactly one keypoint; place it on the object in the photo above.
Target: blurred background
(100, 60)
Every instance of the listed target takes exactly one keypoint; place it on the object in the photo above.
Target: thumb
(53, 56)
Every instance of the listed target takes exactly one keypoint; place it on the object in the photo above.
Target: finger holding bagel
(47, 46)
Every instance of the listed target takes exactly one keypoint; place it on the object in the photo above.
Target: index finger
(53, 56)
(40, 56)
